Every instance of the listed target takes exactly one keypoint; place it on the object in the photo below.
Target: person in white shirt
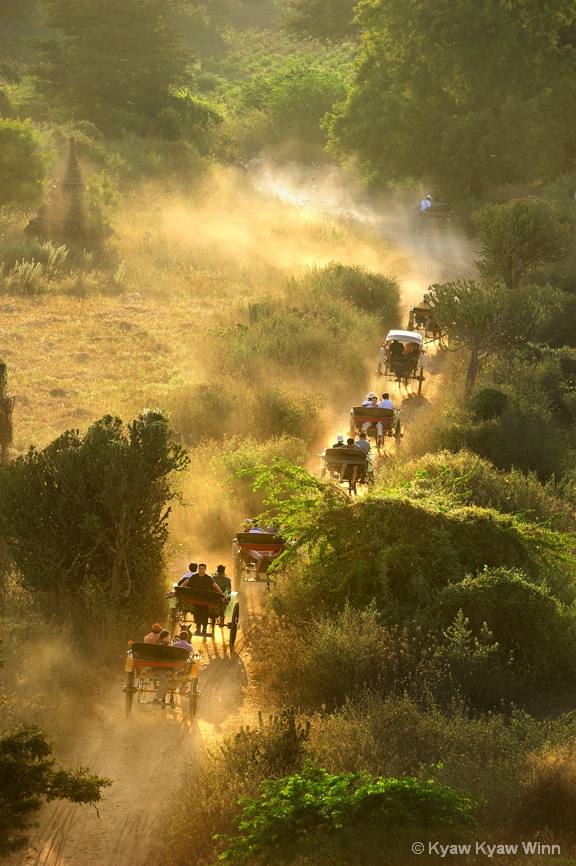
(425, 203)
(386, 402)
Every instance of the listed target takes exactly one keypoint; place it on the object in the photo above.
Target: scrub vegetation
(416, 661)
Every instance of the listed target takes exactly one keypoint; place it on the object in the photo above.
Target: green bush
(489, 403)
(296, 815)
(500, 759)
(342, 655)
(271, 749)
(526, 622)
(372, 293)
(472, 480)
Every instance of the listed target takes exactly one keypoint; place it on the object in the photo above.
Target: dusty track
(145, 756)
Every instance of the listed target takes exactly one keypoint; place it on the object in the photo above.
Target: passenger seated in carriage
(202, 581)
(351, 445)
(161, 675)
(222, 579)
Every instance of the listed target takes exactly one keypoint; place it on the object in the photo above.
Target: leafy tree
(311, 806)
(467, 93)
(485, 320)
(28, 776)
(325, 20)
(518, 236)
(411, 546)
(22, 163)
(114, 62)
(86, 518)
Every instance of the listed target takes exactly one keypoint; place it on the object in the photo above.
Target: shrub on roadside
(525, 620)
(274, 748)
(312, 815)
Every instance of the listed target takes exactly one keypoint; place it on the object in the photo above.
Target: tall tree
(485, 319)
(85, 519)
(468, 92)
(518, 236)
(114, 61)
(324, 20)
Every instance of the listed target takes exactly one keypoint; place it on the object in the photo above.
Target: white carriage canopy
(404, 337)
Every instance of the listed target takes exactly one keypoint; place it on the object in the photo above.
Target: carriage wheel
(237, 566)
(398, 433)
(193, 696)
(172, 620)
(234, 625)
(129, 689)
(420, 380)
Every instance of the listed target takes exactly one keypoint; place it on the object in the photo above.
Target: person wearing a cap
(369, 401)
(425, 203)
(339, 442)
(154, 635)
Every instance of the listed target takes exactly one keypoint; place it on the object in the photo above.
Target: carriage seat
(265, 542)
(197, 596)
(345, 456)
(160, 655)
(366, 413)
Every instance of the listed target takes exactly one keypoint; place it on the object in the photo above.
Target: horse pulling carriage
(377, 423)
(223, 612)
(143, 663)
(402, 358)
(253, 554)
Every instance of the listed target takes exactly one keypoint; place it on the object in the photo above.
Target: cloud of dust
(262, 230)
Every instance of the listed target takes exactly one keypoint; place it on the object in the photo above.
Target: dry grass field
(118, 336)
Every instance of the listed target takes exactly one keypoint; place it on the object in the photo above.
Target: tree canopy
(324, 20)
(518, 236)
(467, 93)
(485, 319)
(28, 776)
(22, 163)
(86, 518)
(113, 63)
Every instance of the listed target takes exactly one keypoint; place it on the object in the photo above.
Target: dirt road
(145, 756)
(148, 754)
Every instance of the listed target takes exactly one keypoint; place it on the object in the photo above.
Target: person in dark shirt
(222, 579)
(204, 582)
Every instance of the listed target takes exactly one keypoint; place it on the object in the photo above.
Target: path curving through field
(148, 754)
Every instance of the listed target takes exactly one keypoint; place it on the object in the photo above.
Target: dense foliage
(28, 777)
(468, 94)
(22, 163)
(301, 811)
(113, 63)
(85, 519)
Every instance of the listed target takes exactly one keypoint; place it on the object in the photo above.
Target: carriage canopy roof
(404, 337)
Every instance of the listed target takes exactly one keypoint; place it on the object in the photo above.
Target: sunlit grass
(138, 323)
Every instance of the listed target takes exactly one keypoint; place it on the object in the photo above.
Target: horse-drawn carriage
(435, 218)
(422, 319)
(333, 459)
(376, 422)
(143, 663)
(402, 357)
(254, 553)
(223, 612)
